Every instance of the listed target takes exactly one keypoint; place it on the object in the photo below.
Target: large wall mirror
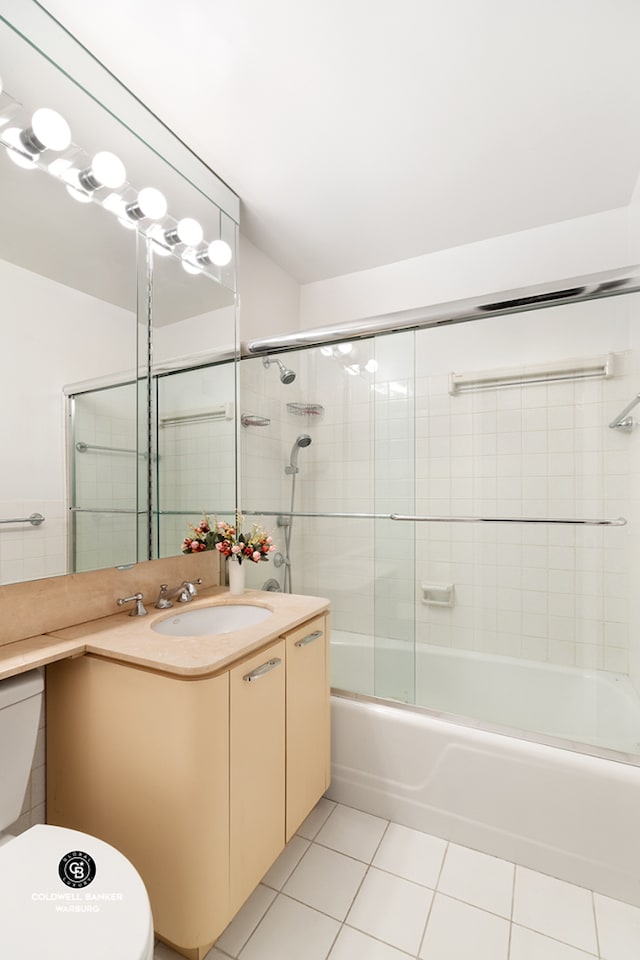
(118, 317)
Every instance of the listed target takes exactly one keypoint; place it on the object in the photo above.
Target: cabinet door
(141, 761)
(308, 726)
(257, 700)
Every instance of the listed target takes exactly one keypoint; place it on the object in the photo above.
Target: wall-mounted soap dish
(438, 594)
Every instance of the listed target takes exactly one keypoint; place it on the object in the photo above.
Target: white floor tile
(234, 937)
(410, 854)
(391, 909)
(457, 930)
(326, 880)
(286, 863)
(291, 931)
(163, 952)
(214, 954)
(618, 929)
(477, 878)
(309, 827)
(352, 832)
(558, 909)
(529, 945)
(354, 945)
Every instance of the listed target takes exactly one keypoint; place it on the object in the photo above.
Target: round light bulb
(326, 351)
(16, 151)
(48, 131)
(150, 204)
(189, 231)
(106, 170)
(371, 365)
(219, 253)
(345, 347)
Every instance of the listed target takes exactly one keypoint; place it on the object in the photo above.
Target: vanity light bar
(584, 369)
(95, 178)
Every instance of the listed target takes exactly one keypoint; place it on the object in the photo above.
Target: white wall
(52, 335)
(587, 245)
(269, 297)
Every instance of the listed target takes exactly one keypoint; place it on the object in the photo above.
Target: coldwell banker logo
(77, 869)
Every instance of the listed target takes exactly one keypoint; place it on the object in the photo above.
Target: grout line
(595, 922)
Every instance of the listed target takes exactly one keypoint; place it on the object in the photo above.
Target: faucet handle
(190, 586)
(163, 602)
(138, 610)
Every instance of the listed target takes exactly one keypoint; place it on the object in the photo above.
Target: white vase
(236, 572)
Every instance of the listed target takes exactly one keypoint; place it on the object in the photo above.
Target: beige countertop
(131, 639)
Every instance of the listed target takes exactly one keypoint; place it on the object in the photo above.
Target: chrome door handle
(309, 638)
(262, 670)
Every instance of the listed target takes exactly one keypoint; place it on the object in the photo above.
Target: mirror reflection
(77, 258)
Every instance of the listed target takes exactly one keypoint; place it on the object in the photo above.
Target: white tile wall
(34, 806)
(395, 440)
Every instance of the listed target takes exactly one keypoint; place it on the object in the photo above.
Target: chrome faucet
(138, 610)
(183, 594)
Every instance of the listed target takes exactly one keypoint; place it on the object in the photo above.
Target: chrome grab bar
(82, 447)
(35, 520)
(263, 670)
(308, 639)
(623, 421)
(616, 522)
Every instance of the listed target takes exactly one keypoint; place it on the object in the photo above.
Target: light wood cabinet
(257, 770)
(308, 726)
(198, 782)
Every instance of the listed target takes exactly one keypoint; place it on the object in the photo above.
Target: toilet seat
(41, 916)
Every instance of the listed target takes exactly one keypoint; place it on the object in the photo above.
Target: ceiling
(359, 133)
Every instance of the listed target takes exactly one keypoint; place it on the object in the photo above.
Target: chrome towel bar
(35, 520)
(615, 522)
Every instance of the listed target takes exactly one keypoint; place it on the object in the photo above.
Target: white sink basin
(221, 618)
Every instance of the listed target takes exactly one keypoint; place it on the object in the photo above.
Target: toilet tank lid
(21, 687)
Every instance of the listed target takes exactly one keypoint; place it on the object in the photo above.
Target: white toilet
(63, 894)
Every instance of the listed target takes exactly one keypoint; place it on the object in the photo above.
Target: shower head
(286, 375)
(302, 441)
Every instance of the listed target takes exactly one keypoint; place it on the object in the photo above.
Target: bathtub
(552, 807)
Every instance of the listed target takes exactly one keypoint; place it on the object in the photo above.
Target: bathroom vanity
(197, 757)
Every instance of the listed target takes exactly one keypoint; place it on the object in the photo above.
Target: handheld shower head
(302, 441)
(286, 375)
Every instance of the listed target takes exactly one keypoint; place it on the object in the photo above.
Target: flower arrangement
(229, 540)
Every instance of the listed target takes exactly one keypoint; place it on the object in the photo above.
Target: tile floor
(350, 886)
